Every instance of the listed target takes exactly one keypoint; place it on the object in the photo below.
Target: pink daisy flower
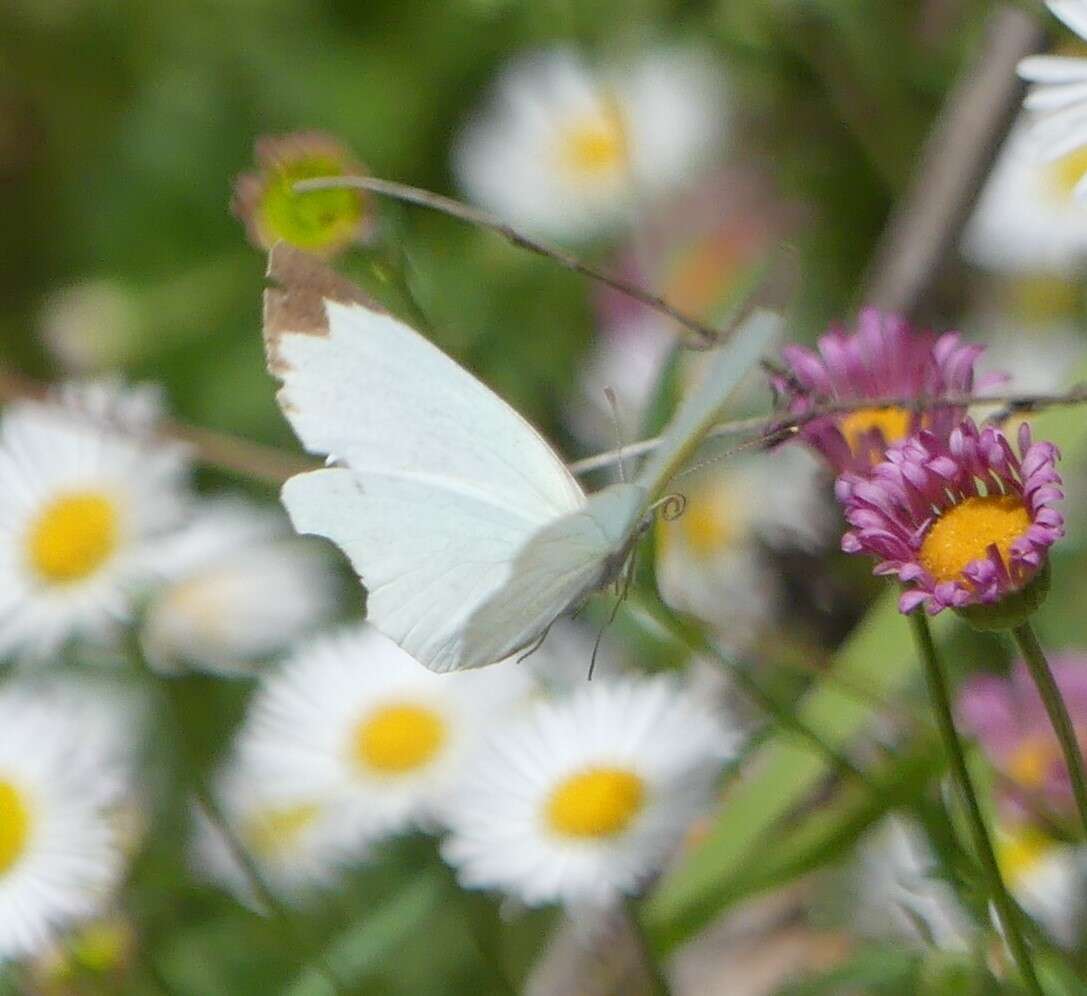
(962, 521)
(884, 358)
(1009, 720)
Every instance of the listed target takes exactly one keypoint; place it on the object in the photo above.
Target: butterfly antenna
(763, 442)
(613, 403)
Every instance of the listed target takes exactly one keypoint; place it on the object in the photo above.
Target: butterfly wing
(445, 483)
(363, 387)
(558, 567)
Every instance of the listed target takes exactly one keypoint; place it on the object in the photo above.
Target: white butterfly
(468, 531)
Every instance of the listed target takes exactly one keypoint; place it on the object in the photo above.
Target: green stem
(1058, 712)
(998, 891)
(781, 714)
(209, 806)
(658, 982)
(485, 935)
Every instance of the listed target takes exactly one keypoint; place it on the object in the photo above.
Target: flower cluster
(569, 798)
(948, 508)
(348, 741)
(104, 539)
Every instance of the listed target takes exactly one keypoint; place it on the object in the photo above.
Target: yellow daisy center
(1019, 852)
(894, 423)
(709, 524)
(272, 832)
(1030, 765)
(398, 738)
(14, 825)
(595, 145)
(73, 536)
(599, 802)
(706, 526)
(965, 532)
(1066, 172)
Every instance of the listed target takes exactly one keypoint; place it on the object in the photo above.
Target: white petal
(1073, 13)
(1053, 98)
(1052, 68)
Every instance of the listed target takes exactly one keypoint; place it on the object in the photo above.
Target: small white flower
(85, 496)
(60, 854)
(710, 560)
(899, 892)
(568, 150)
(297, 841)
(240, 588)
(1047, 878)
(582, 799)
(1059, 99)
(91, 326)
(353, 718)
(1028, 219)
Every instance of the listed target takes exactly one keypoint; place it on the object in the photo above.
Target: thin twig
(473, 216)
(768, 428)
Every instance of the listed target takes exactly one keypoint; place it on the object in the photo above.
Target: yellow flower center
(398, 738)
(709, 524)
(73, 536)
(1030, 765)
(595, 146)
(272, 832)
(893, 423)
(706, 527)
(1019, 852)
(599, 802)
(14, 825)
(965, 532)
(1066, 172)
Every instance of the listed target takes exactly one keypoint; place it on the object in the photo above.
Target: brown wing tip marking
(297, 304)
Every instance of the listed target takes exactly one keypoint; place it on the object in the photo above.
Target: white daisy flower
(240, 588)
(582, 799)
(1028, 219)
(1047, 878)
(568, 150)
(355, 719)
(60, 858)
(1059, 99)
(298, 842)
(710, 560)
(85, 495)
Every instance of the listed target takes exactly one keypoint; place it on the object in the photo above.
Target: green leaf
(361, 947)
(877, 656)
